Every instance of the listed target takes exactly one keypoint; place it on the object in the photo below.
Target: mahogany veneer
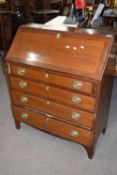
(58, 83)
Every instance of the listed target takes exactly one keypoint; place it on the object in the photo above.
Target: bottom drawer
(53, 126)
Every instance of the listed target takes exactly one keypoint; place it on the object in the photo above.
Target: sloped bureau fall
(58, 83)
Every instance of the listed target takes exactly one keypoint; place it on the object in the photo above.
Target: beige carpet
(31, 152)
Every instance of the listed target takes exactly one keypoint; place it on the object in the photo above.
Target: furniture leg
(104, 130)
(90, 151)
(17, 124)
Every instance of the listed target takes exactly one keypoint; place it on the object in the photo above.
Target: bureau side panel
(103, 106)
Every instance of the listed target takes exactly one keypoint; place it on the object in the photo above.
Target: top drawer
(51, 78)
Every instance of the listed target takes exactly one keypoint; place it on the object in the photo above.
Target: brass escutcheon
(48, 102)
(47, 119)
(58, 35)
(46, 75)
(47, 88)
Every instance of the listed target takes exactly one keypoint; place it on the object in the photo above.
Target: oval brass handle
(76, 99)
(24, 115)
(24, 99)
(21, 71)
(75, 116)
(74, 133)
(23, 84)
(77, 85)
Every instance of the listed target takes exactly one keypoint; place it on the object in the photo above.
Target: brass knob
(24, 99)
(77, 85)
(75, 116)
(21, 71)
(76, 99)
(24, 115)
(74, 133)
(23, 84)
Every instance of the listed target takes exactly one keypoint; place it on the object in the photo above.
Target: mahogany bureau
(58, 83)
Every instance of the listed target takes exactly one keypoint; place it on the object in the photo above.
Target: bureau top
(68, 52)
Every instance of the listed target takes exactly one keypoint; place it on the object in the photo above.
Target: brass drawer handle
(21, 71)
(76, 99)
(75, 116)
(77, 85)
(74, 133)
(23, 84)
(24, 99)
(24, 115)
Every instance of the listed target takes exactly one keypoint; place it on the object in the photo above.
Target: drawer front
(69, 114)
(53, 126)
(49, 77)
(56, 94)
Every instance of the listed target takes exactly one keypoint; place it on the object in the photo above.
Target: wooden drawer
(53, 126)
(53, 93)
(66, 98)
(69, 114)
(52, 78)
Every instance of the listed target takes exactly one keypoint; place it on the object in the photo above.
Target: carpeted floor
(31, 152)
